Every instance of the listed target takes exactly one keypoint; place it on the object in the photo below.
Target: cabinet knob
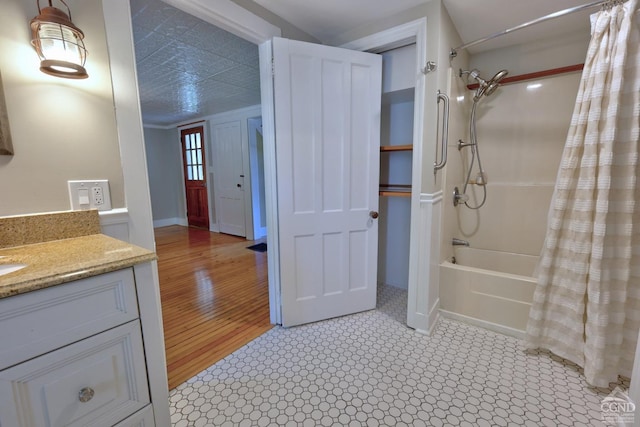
(86, 394)
(374, 214)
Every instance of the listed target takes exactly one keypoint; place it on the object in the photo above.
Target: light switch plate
(92, 194)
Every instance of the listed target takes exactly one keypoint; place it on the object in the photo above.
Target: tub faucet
(459, 242)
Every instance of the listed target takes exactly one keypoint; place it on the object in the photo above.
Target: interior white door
(327, 109)
(228, 178)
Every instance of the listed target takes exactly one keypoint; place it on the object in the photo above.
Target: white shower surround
(521, 133)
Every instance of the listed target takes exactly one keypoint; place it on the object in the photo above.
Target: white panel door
(327, 104)
(228, 178)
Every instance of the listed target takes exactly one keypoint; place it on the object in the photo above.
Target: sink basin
(10, 268)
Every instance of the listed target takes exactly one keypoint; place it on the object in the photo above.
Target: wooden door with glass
(195, 176)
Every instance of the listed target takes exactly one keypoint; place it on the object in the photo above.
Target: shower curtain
(586, 305)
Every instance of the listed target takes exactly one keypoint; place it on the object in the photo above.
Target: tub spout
(459, 242)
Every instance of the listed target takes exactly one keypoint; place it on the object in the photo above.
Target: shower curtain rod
(454, 52)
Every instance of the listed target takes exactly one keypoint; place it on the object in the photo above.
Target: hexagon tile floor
(369, 369)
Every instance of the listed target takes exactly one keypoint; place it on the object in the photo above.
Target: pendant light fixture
(58, 43)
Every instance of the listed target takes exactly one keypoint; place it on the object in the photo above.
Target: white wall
(458, 125)
(535, 56)
(453, 174)
(166, 185)
(62, 129)
(378, 26)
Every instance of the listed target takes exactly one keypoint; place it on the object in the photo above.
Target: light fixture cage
(59, 43)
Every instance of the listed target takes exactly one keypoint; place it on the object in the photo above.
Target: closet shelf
(408, 147)
(398, 190)
(394, 193)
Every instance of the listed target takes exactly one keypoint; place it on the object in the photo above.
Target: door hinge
(273, 67)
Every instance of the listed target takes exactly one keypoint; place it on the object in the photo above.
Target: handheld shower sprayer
(485, 88)
(495, 82)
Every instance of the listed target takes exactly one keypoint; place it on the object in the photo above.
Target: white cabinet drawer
(40, 321)
(142, 418)
(46, 391)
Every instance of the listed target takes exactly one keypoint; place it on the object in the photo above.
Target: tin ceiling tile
(187, 68)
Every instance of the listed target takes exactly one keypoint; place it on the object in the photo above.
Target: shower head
(495, 82)
(484, 87)
(499, 76)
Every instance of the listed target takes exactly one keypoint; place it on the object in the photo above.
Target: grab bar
(445, 133)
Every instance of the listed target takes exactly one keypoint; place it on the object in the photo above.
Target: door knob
(86, 394)
(374, 214)
(239, 185)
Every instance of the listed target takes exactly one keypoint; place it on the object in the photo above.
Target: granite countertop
(61, 261)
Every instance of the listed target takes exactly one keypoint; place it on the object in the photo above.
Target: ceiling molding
(325, 19)
(229, 16)
(401, 35)
(254, 110)
(211, 118)
(150, 126)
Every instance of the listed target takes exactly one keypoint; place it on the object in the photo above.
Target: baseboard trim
(501, 329)
(170, 221)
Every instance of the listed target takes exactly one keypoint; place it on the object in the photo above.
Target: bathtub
(488, 288)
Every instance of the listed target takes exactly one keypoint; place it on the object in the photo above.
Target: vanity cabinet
(73, 355)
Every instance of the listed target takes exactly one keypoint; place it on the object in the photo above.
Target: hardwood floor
(215, 297)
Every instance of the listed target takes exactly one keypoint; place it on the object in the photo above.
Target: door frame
(205, 167)
(233, 18)
(410, 32)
